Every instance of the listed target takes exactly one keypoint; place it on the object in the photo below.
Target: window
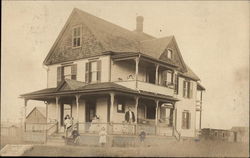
(120, 106)
(66, 72)
(176, 84)
(187, 89)
(93, 71)
(168, 78)
(186, 120)
(76, 36)
(170, 54)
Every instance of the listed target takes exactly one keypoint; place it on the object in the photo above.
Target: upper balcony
(144, 75)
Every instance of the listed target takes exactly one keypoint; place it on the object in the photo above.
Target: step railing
(176, 134)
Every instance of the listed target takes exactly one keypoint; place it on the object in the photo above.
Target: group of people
(95, 126)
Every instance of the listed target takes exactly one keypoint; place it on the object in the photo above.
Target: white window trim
(72, 35)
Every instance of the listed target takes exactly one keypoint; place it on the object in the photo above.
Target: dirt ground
(171, 149)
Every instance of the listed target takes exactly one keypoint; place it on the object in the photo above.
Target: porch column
(77, 107)
(25, 110)
(57, 110)
(112, 98)
(136, 70)
(136, 108)
(156, 74)
(156, 112)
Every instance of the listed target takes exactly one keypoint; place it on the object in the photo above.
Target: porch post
(136, 70)
(136, 108)
(24, 120)
(156, 74)
(57, 110)
(112, 98)
(77, 107)
(156, 116)
(156, 112)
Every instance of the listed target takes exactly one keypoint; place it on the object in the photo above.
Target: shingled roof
(109, 37)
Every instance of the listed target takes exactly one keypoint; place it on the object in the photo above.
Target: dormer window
(170, 54)
(76, 36)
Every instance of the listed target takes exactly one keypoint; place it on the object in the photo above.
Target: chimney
(139, 24)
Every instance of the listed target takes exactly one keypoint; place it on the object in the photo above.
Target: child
(103, 137)
(142, 136)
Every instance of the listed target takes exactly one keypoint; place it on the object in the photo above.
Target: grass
(170, 149)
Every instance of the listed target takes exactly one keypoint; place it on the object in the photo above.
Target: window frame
(120, 102)
(187, 89)
(171, 52)
(77, 36)
(186, 124)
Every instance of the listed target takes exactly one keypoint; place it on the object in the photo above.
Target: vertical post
(136, 113)
(24, 120)
(112, 98)
(156, 74)
(57, 112)
(77, 107)
(46, 134)
(156, 116)
(136, 70)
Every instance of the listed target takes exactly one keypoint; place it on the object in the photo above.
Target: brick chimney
(139, 24)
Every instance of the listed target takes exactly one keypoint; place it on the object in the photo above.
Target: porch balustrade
(148, 87)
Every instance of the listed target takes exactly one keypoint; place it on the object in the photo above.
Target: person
(130, 116)
(67, 123)
(94, 124)
(103, 137)
(142, 136)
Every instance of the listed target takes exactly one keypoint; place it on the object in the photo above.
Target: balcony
(148, 87)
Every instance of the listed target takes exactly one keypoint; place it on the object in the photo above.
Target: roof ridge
(154, 39)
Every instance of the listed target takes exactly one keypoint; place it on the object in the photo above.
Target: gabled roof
(190, 74)
(42, 110)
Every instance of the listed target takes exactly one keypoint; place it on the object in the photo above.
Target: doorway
(66, 109)
(90, 110)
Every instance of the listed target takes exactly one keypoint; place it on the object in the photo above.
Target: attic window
(76, 37)
(170, 54)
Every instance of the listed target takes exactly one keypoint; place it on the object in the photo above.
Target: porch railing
(124, 128)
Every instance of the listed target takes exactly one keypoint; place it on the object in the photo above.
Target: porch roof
(69, 87)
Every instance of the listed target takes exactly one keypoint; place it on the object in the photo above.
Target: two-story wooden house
(98, 68)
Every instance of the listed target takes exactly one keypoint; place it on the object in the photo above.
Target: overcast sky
(213, 38)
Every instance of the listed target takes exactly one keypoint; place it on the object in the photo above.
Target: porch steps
(56, 139)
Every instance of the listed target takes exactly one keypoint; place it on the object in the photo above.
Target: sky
(213, 38)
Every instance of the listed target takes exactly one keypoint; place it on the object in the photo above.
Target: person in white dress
(103, 137)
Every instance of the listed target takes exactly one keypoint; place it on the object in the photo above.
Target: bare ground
(171, 149)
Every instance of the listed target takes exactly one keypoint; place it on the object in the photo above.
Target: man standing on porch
(129, 116)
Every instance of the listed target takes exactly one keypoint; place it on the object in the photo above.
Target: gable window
(170, 54)
(186, 120)
(66, 72)
(187, 89)
(93, 71)
(76, 36)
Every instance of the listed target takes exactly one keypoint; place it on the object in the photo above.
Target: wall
(105, 73)
(81, 110)
(186, 104)
(102, 108)
(120, 117)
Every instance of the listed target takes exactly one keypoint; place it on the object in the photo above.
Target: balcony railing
(148, 87)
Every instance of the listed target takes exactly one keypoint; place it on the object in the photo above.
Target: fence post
(46, 132)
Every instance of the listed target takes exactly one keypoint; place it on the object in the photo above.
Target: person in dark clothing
(129, 116)
(142, 136)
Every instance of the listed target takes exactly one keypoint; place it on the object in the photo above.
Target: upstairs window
(167, 78)
(93, 71)
(76, 36)
(66, 72)
(187, 89)
(186, 120)
(170, 54)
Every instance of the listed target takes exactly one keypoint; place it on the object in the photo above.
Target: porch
(155, 114)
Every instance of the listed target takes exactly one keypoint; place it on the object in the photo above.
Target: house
(217, 134)
(96, 67)
(36, 120)
(241, 134)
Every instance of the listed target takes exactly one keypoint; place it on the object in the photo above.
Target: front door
(65, 110)
(90, 110)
